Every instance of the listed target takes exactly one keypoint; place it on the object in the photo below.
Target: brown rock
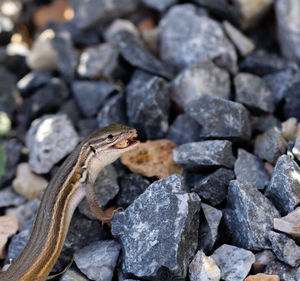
(289, 129)
(152, 159)
(146, 24)
(269, 168)
(262, 277)
(8, 227)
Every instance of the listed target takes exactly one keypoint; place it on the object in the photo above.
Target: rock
(10, 152)
(150, 250)
(87, 15)
(7, 28)
(98, 260)
(270, 145)
(285, 248)
(9, 198)
(220, 118)
(199, 79)
(101, 60)
(113, 111)
(208, 230)
(133, 49)
(87, 126)
(190, 127)
(43, 56)
(132, 185)
(9, 92)
(27, 183)
(262, 259)
(296, 148)
(212, 187)
(5, 124)
(159, 5)
(249, 216)
(262, 277)
(203, 40)
(91, 95)
(243, 44)
(8, 227)
(203, 268)
(289, 129)
(253, 92)
(73, 275)
(288, 27)
(250, 169)
(291, 101)
(283, 189)
(148, 103)
(152, 159)
(46, 141)
(33, 81)
(204, 155)
(234, 262)
(264, 122)
(285, 272)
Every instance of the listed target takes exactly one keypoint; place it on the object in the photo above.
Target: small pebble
(73, 275)
(8, 227)
(289, 129)
(5, 124)
(262, 259)
(262, 277)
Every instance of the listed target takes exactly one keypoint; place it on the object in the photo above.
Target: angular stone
(212, 187)
(262, 277)
(285, 248)
(101, 60)
(208, 230)
(113, 111)
(288, 24)
(132, 185)
(283, 189)
(8, 227)
(10, 151)
(98, 260)
(199, 79)
(91, 13)
(204, 155)
(73, 275)
(87, 126)
(190, 127)
(234, 262)
(90, 95)
(9, 198)
(249, 216)
(159, 5)
(203, 268)
(46, 141)
(250, 169)
(270, 145)
(187, 38)
(291, 99)
(243, 44)
(148, 103)
(264, 122)
(253, 92)
(149, 250)
(220, 118)
(289, 224)
(262, 259)
(289, 129)
(284, 271)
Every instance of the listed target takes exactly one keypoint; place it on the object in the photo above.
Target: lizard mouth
(125, 143)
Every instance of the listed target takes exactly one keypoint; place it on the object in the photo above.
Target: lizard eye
(110, 137)
(93, 149)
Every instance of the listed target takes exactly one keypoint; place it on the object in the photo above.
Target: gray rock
(243, 44)
(250, 169)
(262, 259)
(46, 141)
(101, 60)
(270, 145)
(264, 122)
(289, 224)
(220, 118)
(187, 38)
(11, 151)
(203, 268)
(9, 198)
(283, 189)
(91, 13)
(249, 216)
(235, 263)
(190, 127)
(90, 95)
(113, 111)
(148, 103)
(132, 185)
(73, 275)
(208, 230)
(288, 25)
(159, 230)
(204, 155)
(159, 5)
(87, 126)
(284, 271)
(253, 92)
(285, 248)
(212, 187)
(291, 99)
(98, 260)
(196, 80)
